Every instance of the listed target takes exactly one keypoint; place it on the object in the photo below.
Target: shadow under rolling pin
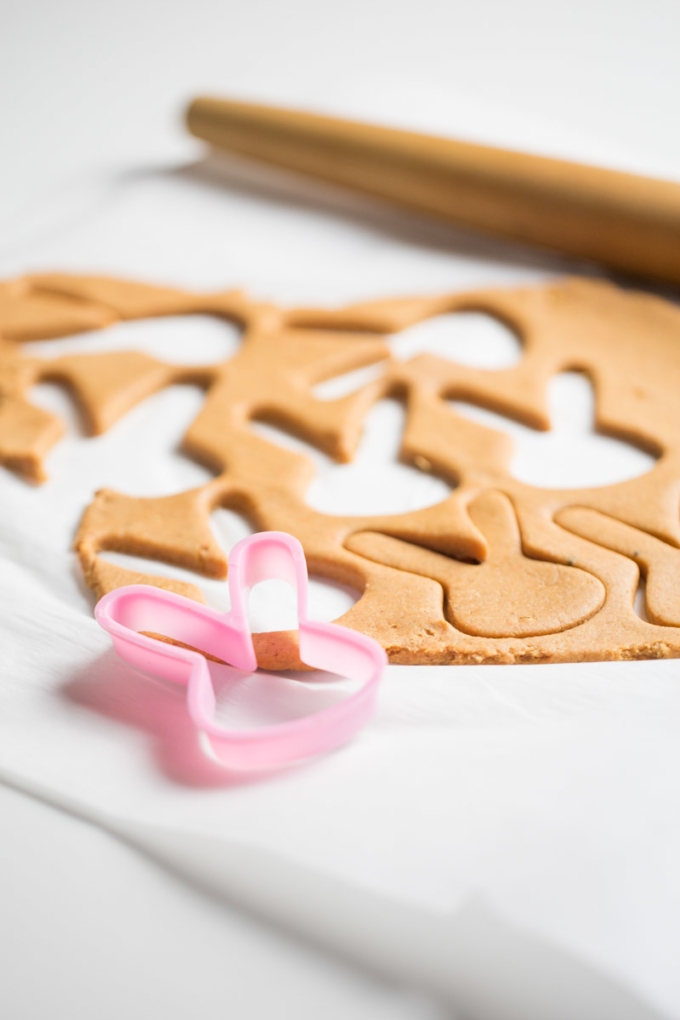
(627, 222)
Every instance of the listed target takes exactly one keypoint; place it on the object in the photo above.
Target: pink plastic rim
(125, 612)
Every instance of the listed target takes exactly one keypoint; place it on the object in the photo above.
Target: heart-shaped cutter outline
(267, 555)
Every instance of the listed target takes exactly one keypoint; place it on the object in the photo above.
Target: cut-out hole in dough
(176, 339)
(375, 482)
(55, 398)
(272, 604)
(229, 527)
(215, 592)
(279, 437)
(153, 431)
(571, 455)
(640, 600)
(349, 382)
(470, 338)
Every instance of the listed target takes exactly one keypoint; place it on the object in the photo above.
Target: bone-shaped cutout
(659, 562)
(508, 595)
(375, 481)
(571, 455)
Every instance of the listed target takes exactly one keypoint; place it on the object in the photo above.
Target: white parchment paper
(506, 837)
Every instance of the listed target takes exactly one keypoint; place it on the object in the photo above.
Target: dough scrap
(499, 571)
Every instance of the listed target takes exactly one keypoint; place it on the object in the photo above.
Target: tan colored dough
(507, 594)
(499, 571)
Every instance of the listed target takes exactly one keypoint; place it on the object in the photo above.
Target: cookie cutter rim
(264, 556)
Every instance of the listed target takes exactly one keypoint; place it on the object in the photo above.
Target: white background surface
(89, 180)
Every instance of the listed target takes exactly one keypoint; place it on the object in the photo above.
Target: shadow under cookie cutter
(268, 555)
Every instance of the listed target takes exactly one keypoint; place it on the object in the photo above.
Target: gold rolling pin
(625, 221)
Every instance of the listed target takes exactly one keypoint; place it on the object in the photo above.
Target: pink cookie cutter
(328, 646)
